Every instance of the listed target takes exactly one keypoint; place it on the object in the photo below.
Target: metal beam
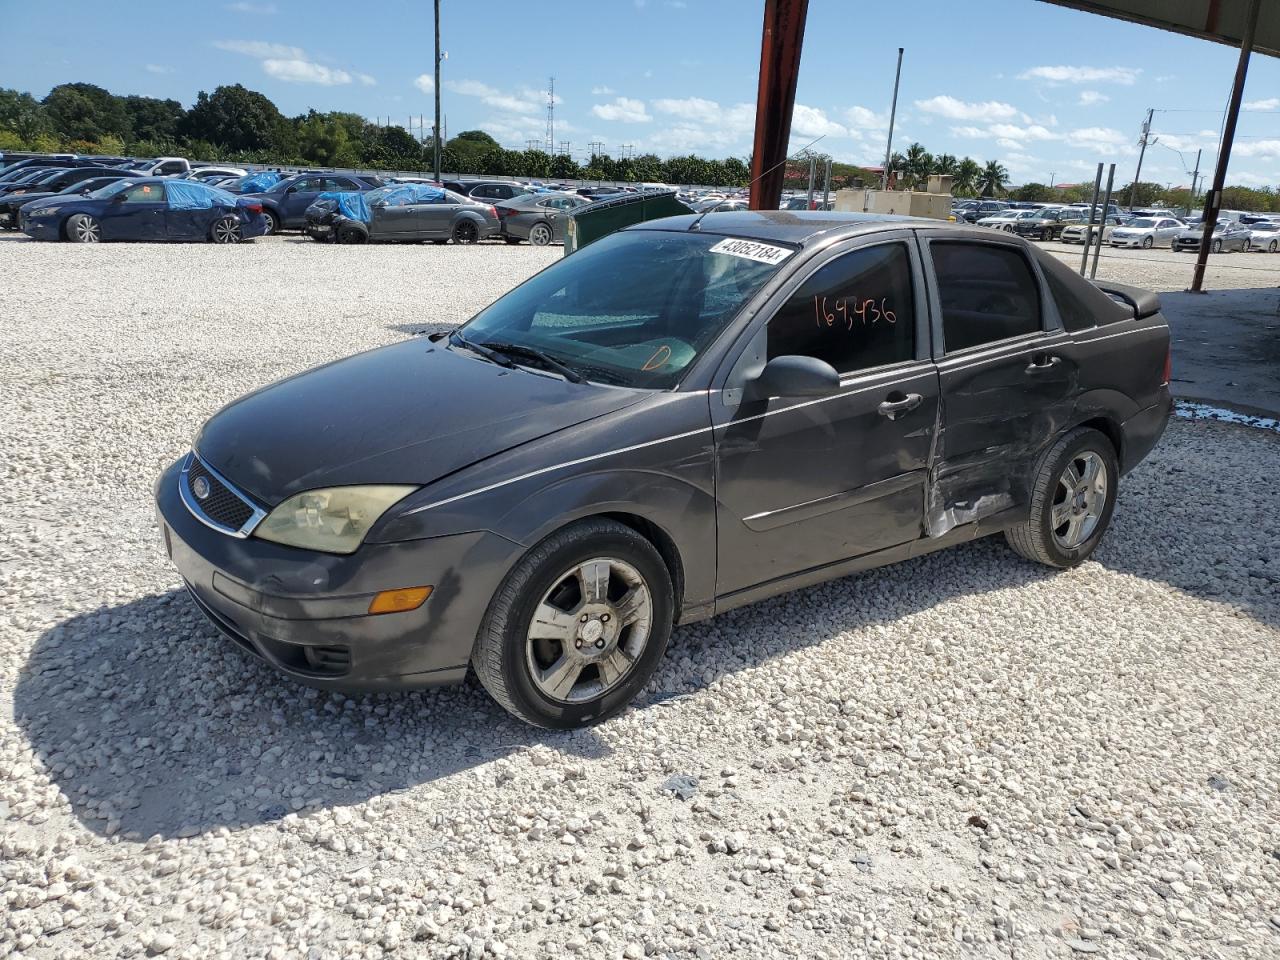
(1213, 200)
(780, 45)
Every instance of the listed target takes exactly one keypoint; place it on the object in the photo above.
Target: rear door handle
(898, 402)
(1042, 362)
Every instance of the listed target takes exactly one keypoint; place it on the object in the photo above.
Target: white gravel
(961, 756)
(1163, 270)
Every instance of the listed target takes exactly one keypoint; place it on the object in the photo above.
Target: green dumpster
(595, 220)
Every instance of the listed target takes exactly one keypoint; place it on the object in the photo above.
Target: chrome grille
(214, 500)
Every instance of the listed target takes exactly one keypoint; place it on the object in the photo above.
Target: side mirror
(118, 198)
(794, 376)
(292, 190)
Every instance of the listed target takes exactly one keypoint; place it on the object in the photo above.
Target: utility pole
(435, 130)
(1142, 150)
(596, 147)
(893, 114)
(1052, 174)
(1195, 174)
(551, 115)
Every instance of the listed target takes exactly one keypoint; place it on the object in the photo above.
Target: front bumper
(306, 613)
(1129, 241)
(41, 228)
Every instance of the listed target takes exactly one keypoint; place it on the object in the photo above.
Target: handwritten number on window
(868, 312)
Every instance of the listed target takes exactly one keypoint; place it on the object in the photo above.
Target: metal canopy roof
(1218, 20)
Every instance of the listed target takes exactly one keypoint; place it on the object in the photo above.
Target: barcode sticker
(752, 250)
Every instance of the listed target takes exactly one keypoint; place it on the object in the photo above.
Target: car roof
(801, 227)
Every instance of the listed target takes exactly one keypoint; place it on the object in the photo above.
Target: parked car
(285, 202)
(52, 182)
(1004, 220)
(974, 210)
(162, 167)
(1147, 232)
(1264, 235)
(488, 191)
(724, 205)
(539, 218)
(1049, 222)
(216, 173)
(1227, 235)
(654, 430)
(12, 203)
(145, 208)
(27, 176)
(26, 168)
(402, 212)
(1076, 232)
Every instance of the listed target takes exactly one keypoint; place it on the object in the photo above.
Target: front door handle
(1042, 362)
(898, 402)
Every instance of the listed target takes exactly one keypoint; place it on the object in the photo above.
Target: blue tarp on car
(350, 204)
(194, 195)
(355, 206)
(257, 182)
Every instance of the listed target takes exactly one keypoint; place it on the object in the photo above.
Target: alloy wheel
(589, 630)
(87, 230)
(1079, 500)
(1272, 246)
(226, 230)
(540, 235)
(465, 232)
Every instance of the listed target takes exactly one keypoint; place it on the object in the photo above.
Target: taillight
(1168, 366)
(254, 208)
(493, 212)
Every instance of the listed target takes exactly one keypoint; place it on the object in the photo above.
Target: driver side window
(144, 193)
(856, 312)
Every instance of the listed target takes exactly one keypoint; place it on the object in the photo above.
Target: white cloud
(1271, 103)
(262, 9)
(305, 71)
(1011, 131)
(954, 109)
(157, 68)
(603, 91)
(261, 49)
(1101, 139)
(1089, 98)
(527, 101)
(622, 110)
(1257, 148)
(690, 108)
(425, 82)
(860, 117)
(1126, 76)
(812, 122)
(367, 80)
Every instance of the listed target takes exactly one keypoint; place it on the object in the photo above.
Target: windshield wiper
(458, 340)
(533, 353)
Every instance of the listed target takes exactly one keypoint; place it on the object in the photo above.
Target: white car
(1265, 236)
(1075, 232)
(1146, 232)
(1005, 219)
(162, 167)
(215, 173)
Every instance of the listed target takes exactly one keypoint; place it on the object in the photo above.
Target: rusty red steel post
(780, 44)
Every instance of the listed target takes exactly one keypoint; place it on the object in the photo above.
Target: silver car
(539, 218)
(1265, 236)
(1076, 232)
(1005, 219)
(1227, 235)
(1147, 232)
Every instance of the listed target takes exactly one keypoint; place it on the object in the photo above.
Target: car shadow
(98, 697)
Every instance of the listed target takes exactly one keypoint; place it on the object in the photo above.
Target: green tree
(945, 164)
(84, 111)
(993, 179)
(152, 119)
(1034, 192)
(563, 167)
(238, 119)
(22, 114)
(468, 147)
(918, 165)
(966, 177)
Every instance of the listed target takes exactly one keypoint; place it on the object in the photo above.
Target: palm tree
(897, 164)
(994, 178)
(945, 164)
(919, 163)
(967, 173)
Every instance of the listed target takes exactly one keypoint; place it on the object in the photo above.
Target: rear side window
(855, 312)
(1075, 313)
(988, 293)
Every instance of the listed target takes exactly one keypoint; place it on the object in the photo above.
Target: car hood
(71, 201)
(409, 413)
(24, 197)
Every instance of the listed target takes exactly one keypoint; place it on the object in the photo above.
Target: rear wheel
(1072, 499)
(226, 230)
(465, 232)
(540, 235)
(578, 627)
(83, 228)
(272, 223)
(1046, 234)
(352, 235)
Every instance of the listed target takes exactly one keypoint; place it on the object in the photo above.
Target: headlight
(43, 212)
(333, 521)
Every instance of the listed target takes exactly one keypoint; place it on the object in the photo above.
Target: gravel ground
(961, 756)
(1165, 270)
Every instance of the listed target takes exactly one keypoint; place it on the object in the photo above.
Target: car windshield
(1142, 222)
(635, 308)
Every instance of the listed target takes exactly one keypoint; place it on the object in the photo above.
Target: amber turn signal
(399, 601)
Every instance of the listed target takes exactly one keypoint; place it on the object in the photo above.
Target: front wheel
(1147, 243)
(578, 627)
(83, 228)
(540, 235)
(352, 235)
(1217, 246)
(226, 230)
(465, 232)
(1273, 246)
(1072, 499)
(1246, 247)
(1046, 234)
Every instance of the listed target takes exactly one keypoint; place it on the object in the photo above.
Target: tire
(272, 223)
(352, 235)
(82, 228)
(540, 235)
(1246, 247)
(1037, 538)
(1273, 246)
(465, 232)
(506, 657)
(1046, 234)
(225, 230)
(1147, 243)
(1217, 246)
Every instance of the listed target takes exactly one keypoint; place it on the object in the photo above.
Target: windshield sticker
(751, 250)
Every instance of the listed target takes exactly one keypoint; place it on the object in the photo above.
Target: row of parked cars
(1141, 229)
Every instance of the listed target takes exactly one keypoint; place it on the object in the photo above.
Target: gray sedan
(539, 218)
(395, 214)
(1227, 235)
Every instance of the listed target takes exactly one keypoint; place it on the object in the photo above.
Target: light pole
(893, 114)
(435, 136)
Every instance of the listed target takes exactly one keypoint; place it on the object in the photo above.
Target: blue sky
(1047, 91)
